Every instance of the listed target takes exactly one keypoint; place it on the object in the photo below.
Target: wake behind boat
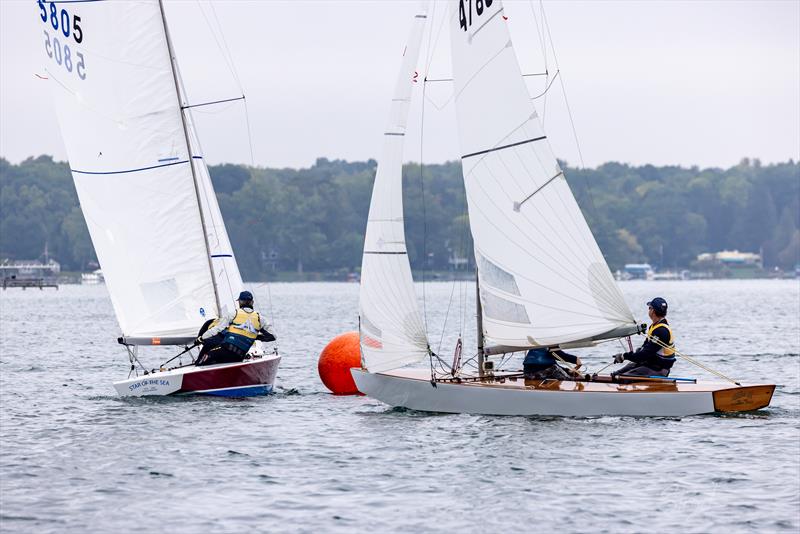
(542, 282)
(146, 192)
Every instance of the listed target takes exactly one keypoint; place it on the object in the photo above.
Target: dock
(24, 283)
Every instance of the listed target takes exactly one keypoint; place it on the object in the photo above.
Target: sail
(120, 117)
(226, 271)
(391, 326)
(543, 279)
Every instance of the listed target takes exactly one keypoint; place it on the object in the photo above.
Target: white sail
(226, 271)
(391, 326)
(120, 116)
(543, 279)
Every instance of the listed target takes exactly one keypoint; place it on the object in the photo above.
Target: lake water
(74, 457)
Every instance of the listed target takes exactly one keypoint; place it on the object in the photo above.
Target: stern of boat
(244, 379)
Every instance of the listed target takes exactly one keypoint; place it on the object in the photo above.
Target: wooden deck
(727, 397)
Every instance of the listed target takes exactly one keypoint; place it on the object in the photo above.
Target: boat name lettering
(149, 382)
(467, 7)
(68, 25)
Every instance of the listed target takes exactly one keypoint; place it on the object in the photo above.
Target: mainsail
(391, 326)
(543, 279)
(121, 119)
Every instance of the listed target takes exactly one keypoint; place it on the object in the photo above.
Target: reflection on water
(77, 458)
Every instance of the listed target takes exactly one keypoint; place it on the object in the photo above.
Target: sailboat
(145, 191)
(542, 280)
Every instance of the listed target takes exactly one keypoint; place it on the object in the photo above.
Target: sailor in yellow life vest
(656, 355)
(227, 339)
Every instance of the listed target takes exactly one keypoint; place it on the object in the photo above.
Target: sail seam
(503, 147)
(132, 170)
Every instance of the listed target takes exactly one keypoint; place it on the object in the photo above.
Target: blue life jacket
(538, 360)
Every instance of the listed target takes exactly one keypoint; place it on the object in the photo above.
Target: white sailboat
(145, 190)
(542, 279)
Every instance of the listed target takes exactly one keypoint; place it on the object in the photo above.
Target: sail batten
(543, 278)
(392, 330)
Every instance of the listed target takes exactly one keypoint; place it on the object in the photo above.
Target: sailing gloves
(619, 358)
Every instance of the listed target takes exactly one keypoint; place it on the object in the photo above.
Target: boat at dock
(542, 280)
(146, 194)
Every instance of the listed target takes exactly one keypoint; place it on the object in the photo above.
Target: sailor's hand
(578, 363)
(619, 358)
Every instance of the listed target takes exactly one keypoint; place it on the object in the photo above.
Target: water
(76, 458)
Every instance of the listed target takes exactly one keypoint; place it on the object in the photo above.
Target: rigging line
(543, 93)
(561, 81)
(539, 34)
(213, 102)
(446, 315)
(432, 49)
(224, 46)
(435, 80)
(691, 360)
(424, 210)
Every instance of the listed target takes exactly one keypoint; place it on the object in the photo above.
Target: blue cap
(659, 305)
(245, 295)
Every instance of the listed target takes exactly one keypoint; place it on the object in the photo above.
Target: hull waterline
(246, 379)
(410, 388)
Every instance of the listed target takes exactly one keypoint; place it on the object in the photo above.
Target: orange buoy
(335, 361)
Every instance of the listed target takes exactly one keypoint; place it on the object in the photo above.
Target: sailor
(227, 339)
(656, 355)
(540, 364)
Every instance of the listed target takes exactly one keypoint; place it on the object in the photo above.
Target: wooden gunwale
(587, 387)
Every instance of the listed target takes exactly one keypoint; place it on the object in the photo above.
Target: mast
(191, 160)
(479, 318)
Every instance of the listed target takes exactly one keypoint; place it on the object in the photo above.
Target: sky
(702, 83)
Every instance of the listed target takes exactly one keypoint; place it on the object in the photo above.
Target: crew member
(227, 339)
(540, 364)
(656, 355)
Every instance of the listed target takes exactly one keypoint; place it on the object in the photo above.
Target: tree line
(313, 219)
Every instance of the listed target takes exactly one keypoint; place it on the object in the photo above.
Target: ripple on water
(77, 458)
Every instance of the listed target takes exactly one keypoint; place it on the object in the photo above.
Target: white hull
(412, 389)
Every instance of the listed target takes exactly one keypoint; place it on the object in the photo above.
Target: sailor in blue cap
(228, 338)
(656, 356)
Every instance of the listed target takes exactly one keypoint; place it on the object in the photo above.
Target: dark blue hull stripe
(134, 170)
(246, 391)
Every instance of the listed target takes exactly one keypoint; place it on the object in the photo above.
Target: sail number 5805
(467, 7)
(69, 26)
(61, 19)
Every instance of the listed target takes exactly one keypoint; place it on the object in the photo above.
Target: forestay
(120, 116)
(391, 327)
(543, 279)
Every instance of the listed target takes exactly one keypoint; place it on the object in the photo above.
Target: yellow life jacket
(666, 352)
(246, 324)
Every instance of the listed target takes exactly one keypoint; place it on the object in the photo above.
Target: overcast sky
(690, 83)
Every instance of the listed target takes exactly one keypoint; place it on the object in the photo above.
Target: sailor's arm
(221, 325)
(649, 348)
(265, 333)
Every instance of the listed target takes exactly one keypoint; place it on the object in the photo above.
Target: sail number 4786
(68, 26)
(467, 7)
